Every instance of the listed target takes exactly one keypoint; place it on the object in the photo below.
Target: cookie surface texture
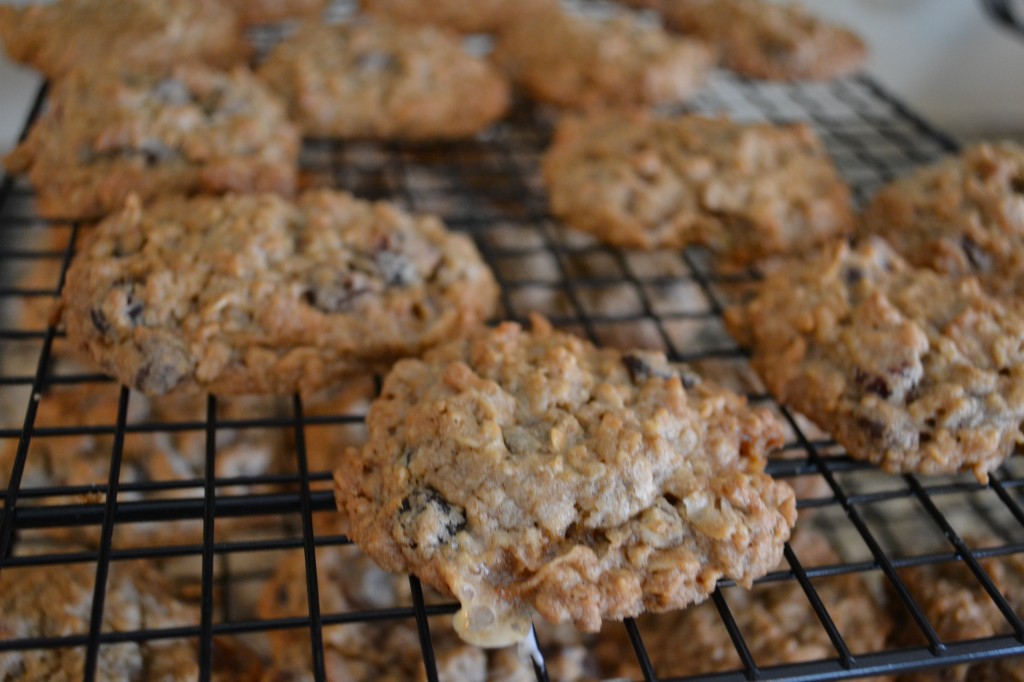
(183, 130)
(373, 79)
(70, 34)
(906, 368)
(255, 294)
(963, 215)
(523, 469)
(583, 63)
(777, 41)
(744, 190)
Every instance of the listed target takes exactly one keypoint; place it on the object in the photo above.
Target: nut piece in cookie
(778, 41)
(746, 191)
(480, 16)
(905, 367)
(523, 469)
(255, 294)
(963, 215)
(585, 63)
(181, 130)
(62, 36)
(373, 79)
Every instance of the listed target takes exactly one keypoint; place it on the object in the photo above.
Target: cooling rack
(232, 526)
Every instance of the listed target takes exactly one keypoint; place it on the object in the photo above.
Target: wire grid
(489, 188)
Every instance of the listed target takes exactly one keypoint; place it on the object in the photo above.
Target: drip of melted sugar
(490, 625)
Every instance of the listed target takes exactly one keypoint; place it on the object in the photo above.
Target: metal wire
(489, 189)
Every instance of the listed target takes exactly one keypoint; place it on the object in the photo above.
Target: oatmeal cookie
(779, 41)
(56, 601)
(777, 622)
(386, 649)
(182, 130)
(255, 294)
(585, 63)
(964, 215)
(744, 190)
(166, 456)
(906, 368)
(518, 469)
(959, 609)
(372, 79)
(255, 12)
(481, 16)
(82, 34)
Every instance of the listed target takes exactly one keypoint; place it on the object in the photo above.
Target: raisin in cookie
(744, 190)
(482, 16)
(53, 601)
(776, 619)
(959, 609)
(964, 215)
(379, 80)
(905, 367)
(187, 129)
(522, 469)
(72, 34)
(579, 62)
(255, 294)
(779, 41)
(387, 649)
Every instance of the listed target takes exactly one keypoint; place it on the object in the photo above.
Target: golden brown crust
(182, 130)
(374, 79)
(963, 215)
(584, 63)
(255, 12)
(254, 294)
(83, 34)
(530, 468)
(744, 190)
(906, 368)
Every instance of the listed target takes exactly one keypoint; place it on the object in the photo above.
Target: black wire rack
(488, 188)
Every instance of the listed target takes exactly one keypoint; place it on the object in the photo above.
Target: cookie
(54, 601)
(963, 215)
(256, 12)
(82, 34)
(746, 191)
(383, 649)
(255, 294)
(483, 16)
(778, 41)
(372, 79)
(777, 623)
(959, 609)
(906, 368)
(585, 63)
(168, 456)
(182, 130)
(518, 469)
